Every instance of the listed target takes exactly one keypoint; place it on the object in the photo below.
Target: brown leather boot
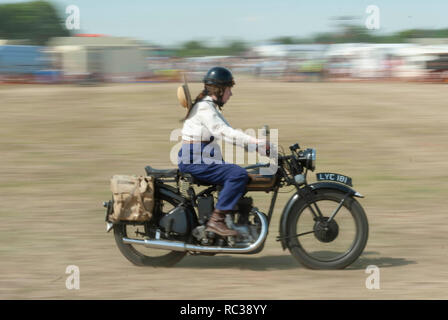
(217, 224)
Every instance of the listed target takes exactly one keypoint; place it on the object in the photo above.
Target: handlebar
(267, 134)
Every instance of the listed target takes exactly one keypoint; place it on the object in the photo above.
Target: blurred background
(88, 90)
(65, 42)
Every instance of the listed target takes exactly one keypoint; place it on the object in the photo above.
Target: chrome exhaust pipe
(182, 246)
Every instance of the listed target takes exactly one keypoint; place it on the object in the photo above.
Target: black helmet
(219, 76)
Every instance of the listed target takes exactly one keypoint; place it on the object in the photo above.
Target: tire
(350, 214)
(139, 258)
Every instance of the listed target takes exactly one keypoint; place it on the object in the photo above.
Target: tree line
(354, 33)
(35, 21)
(38, 21)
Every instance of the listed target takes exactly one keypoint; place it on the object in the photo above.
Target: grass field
(60, 144)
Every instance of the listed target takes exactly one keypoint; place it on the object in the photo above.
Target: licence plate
(336, 177)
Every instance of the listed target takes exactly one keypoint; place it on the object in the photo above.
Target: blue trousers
(204, 162)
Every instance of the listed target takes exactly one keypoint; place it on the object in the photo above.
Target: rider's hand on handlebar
(266, 149)
(273, 150)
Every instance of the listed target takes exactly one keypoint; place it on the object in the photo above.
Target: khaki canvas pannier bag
(133, 198)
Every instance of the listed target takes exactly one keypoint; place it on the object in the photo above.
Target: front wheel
(319, 242)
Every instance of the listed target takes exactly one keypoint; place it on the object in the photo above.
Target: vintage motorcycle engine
(248, 230)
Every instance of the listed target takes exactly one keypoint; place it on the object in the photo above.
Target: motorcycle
(322, 225)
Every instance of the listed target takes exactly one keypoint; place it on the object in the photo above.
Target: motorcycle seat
(171, 173)
(161, 173)
(193, 180)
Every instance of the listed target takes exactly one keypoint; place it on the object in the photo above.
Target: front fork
(308, 196)
(317, 214)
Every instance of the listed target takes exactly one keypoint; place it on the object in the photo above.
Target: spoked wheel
(329, 233)
(141, 255)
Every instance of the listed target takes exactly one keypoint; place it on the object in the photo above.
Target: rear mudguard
(296, 197)
(169, 191)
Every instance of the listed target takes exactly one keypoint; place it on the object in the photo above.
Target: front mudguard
(308, 190)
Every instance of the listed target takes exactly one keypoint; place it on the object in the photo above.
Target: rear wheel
(141, 255)
(320, 243)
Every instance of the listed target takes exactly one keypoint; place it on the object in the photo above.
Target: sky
(171, 22)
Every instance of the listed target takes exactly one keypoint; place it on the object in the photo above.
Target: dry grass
(60, 144)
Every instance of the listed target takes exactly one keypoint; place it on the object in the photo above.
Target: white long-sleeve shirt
(205, 120)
